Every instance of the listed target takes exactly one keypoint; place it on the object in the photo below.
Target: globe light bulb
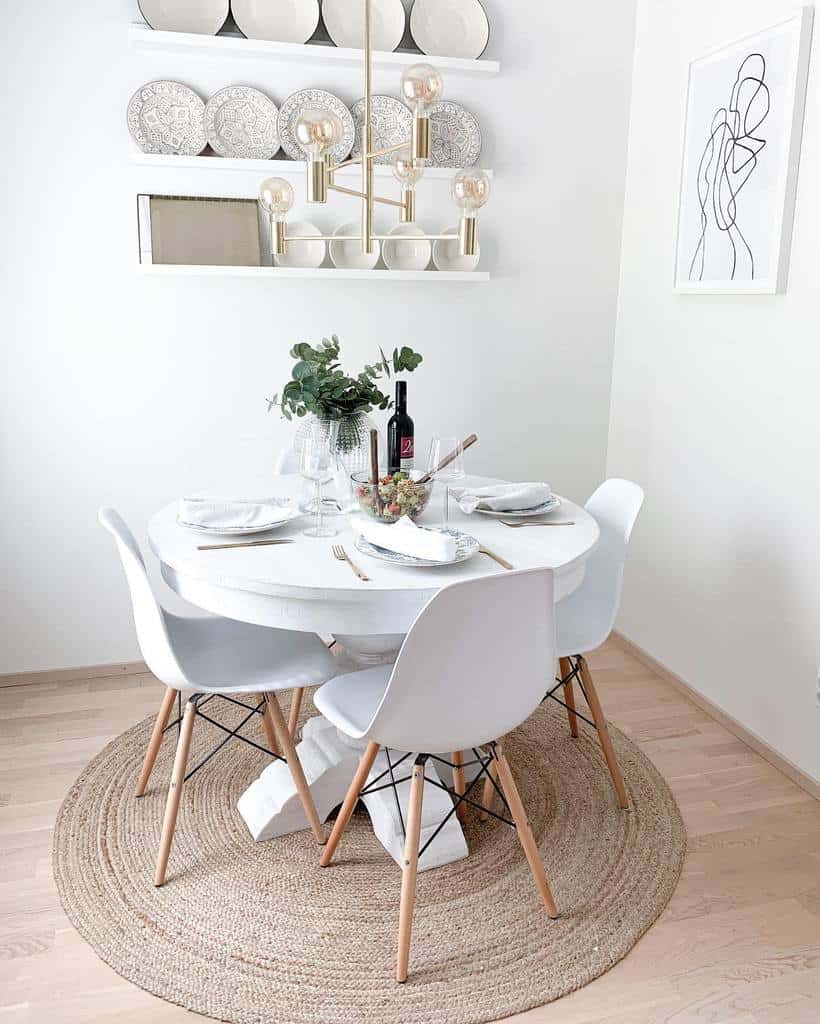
(318, 130)
(470, 190)
(421, 85)
(276, 196)
(405, 170)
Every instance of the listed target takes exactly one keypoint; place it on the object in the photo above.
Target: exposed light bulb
(421, 86)
(405, 170)
(318, 130)
(276, 196)
(470, 190)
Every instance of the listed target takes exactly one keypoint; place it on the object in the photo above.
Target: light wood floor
(739, 942)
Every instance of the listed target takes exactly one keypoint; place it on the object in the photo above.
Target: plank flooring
(739, 942)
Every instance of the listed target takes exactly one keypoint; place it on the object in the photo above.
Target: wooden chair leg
(565, 668)
(295, 708)
(175, 792)
(350, 801)
(459, 782)
(603, 733)
(267, 725)
(410, 870)
(525, 836)
(155, 742)
(488, 793)
(286, 744)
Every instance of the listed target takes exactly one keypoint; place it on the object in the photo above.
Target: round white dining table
(301, 586)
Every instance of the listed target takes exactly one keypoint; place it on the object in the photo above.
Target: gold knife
(496, 558)
(244, 544)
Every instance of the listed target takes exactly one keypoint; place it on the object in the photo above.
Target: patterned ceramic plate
(466, 547)
(392, 123)
(524, 513)
(241, 122)
(456, 135)
(167, 117)
(291, 110)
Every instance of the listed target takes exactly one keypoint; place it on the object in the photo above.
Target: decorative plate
(450, 28)
(289, 512)
(344, 21)
(302, 254)
(466, 547)
(405, 250)
(283, 21)
(349, 254)
(167, 117)
(241, 122)
(305, 99)
(456, 135)
(202, 17)
(446, 255)
(391, 121)
(524, 513)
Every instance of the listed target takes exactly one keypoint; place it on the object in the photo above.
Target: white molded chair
(585, 619)
(206, 657)
(471, 668)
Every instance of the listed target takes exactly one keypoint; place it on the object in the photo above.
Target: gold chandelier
(318, 130)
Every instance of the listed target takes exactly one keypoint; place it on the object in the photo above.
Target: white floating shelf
(143, 37)
(321, 274)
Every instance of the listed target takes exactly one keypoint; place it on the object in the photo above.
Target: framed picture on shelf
(198, 231)
(744, 121)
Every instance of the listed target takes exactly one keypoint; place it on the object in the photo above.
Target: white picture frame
(743, 127)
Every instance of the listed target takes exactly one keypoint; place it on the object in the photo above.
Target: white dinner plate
(349, 254)
(283, 21)
(202, 17)
(289, 512)
(466, 547)
(404, 250)
(524, 513)
(446, 255)
(302, 254)
(306, 99)
(241, 122)
(450, 28)
(344, 21)
(167, 117)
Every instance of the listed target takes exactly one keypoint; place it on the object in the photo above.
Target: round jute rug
(254, 933)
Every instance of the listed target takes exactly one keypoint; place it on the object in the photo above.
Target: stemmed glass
(317, 463)
(440, 448)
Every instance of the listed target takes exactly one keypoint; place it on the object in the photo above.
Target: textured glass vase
(352, 437)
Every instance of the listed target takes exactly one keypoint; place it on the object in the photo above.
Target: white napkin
(408, 539)
(501, 497)
(235, 513)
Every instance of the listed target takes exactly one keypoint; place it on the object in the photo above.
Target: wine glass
(317, 464)
(446, 448)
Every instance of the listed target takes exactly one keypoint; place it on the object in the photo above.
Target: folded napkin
(235, 514)
(501, 497)
(406, 538)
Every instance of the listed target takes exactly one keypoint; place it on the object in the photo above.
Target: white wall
(123, 389)
(715, 412)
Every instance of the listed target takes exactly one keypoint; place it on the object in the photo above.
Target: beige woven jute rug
(254, 933)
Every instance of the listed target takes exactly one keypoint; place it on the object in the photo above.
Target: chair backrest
(476, 663)
(615, 506)
(149, 616)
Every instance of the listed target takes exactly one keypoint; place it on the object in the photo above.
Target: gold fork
(517, 526)
(340, 553)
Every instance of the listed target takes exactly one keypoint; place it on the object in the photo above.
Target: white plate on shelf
(344, 21)
(282, 21)
(391, 123)
(405, 250)
(240, 122)
(302, 254)
(455, 135)
(450, 28)
(202, 17)
(349, 254)
(466, 547)
(524, 513)
(446, 255)
(306, 99)
(167, 117)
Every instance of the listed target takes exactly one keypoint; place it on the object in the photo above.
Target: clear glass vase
(352, 440)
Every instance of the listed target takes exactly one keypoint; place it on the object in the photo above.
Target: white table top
(301, 585)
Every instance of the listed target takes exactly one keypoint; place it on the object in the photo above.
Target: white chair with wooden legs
(584, 620)
(471, 668)
(211, 657)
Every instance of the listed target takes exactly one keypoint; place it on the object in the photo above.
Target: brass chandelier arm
(361, 195)
(376, 152)
(378, 238)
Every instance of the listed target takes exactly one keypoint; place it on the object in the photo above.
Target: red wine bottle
(400, 436)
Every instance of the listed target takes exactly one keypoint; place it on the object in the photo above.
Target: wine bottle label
(406, 453)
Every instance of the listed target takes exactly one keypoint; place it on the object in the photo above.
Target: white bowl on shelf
(200, 17)
(302, 254)
(349, 255)
(446, 255)
(344, 21)
(405, 250)
(283, 21)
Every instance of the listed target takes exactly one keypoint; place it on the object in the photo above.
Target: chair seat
(224, 656)
(350, 701)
